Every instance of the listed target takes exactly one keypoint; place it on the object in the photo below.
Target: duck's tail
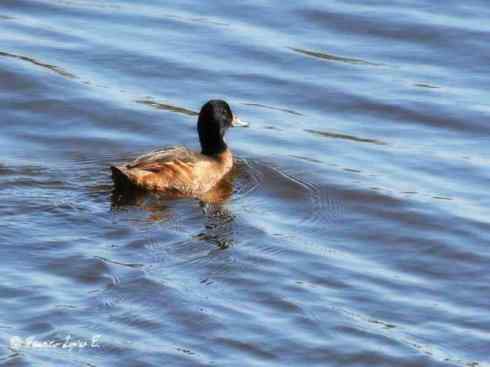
(120, 177)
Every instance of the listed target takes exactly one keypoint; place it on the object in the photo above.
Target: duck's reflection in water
(218, 228)
(218, 220)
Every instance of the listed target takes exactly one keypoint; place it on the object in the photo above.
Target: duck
(180, 171)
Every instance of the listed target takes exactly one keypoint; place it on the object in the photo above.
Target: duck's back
(176, 170)
(162, 156)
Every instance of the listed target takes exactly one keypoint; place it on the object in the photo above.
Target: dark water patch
(30, 182)
(274, 108)
(352, 170)
(345, 137)
(331, 57)
(119, 263)
(167, 107)
(14, 358)
(202, 20)
(398, 335)
(379, 27)
(425, 85)
(84, 271)
(24, 170)
(10, 292)
(84, 4)
(33, 61)
(307, 159)
(442, 198)
(440, 116)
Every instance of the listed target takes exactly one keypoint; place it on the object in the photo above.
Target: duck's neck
(217, 147)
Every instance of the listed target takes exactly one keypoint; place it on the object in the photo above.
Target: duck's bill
(236, 122)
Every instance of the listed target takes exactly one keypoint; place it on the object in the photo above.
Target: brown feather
(176, 170)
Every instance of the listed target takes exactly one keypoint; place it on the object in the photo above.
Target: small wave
(396, 333)
(83, 4)
(315, 203)
(328, 134)
(292, 112)
(129, 265)
(425, 85)
(167, 107)
(322, 207)
(31, 60)
(332, 57)
(248, 178)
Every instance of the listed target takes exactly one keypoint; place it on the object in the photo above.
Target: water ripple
(332, 57)
(167, 107)
(33, 61)
(345, 137)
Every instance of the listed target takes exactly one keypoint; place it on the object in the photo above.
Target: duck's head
(214, 119)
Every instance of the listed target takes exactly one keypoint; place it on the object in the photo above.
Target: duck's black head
(214, 119)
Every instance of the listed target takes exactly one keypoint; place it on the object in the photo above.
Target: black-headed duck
(180, 171)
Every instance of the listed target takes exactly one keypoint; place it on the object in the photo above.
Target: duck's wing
(167, 169)
(162, 156)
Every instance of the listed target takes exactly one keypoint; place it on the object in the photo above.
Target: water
(356, 229)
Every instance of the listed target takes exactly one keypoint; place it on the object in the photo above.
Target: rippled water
(356, 229)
